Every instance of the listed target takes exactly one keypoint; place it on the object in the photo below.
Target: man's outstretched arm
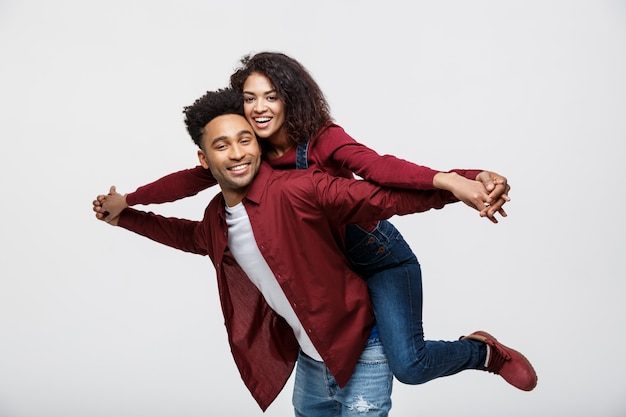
(182, 234)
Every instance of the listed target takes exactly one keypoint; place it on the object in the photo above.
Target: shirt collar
(259, 184)
(254, 193)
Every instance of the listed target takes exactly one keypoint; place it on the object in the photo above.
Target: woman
(291, 118)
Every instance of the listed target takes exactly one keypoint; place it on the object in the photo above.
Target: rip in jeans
(361, 405)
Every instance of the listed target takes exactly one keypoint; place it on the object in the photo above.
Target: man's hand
(108, 207)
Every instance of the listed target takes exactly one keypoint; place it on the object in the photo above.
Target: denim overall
(394, 280)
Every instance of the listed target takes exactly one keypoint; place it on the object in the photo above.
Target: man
(275, 239)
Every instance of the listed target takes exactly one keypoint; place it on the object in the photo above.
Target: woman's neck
(278, 146)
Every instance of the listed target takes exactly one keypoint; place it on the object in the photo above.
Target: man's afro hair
(208, 107)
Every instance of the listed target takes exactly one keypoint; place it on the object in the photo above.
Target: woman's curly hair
(305, 106)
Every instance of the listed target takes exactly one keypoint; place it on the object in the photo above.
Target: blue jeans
(394, 279)
(367, 393)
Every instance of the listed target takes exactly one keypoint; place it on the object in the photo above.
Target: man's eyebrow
(218, 139)
(224, 137)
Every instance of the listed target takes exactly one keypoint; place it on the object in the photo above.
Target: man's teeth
(238, 167)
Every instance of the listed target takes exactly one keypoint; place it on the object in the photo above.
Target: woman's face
(262, 106)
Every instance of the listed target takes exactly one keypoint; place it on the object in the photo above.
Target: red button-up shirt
(298, 220)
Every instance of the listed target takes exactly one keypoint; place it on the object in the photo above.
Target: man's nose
(236, 152)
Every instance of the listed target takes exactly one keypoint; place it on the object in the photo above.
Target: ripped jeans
(394, 279)
(367, 393)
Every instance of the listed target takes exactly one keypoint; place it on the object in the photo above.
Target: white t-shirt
(244, 248)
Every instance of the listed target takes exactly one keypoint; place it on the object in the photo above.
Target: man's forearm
(177, 233)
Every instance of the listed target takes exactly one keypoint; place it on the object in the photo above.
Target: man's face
(232, 153)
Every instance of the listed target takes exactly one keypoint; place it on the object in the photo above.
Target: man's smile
(239, 167)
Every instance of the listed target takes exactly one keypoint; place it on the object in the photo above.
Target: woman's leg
(394, 279)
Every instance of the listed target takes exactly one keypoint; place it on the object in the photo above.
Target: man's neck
(232, 198)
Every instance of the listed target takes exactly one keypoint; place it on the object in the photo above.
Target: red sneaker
(506, 362)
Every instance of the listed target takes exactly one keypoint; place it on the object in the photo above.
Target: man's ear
(203, 160)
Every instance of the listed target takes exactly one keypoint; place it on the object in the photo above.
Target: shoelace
(497, 358)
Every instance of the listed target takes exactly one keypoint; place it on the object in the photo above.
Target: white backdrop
(98, 322)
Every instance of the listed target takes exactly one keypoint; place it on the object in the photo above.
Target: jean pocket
(367, 250)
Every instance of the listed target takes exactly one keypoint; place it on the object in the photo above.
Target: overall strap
(301, 154)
